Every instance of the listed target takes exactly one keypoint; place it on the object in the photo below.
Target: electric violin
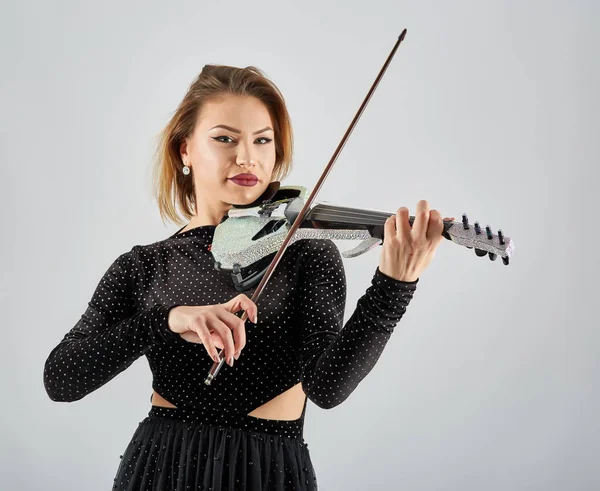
(251, 239)
(246, 241)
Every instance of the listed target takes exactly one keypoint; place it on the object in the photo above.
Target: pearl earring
(186, 170)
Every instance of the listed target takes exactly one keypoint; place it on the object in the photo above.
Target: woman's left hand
(407, 250)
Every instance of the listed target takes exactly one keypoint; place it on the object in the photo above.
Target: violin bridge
(364, 246)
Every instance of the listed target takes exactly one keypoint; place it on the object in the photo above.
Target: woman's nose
(245, 156)
(244, 161)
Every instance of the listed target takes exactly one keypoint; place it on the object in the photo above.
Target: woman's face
(233, 135)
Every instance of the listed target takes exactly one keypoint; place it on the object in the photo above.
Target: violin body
(246, 241)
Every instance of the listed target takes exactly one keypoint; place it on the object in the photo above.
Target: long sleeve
(336, 357)
(108, 338)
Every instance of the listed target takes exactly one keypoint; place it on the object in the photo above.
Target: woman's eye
(265, 140)
(223, 139)
(228, 139)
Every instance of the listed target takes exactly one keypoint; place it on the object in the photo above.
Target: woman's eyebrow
(233, 130)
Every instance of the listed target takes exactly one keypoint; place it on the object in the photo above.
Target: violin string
(365, 217)
(331, 213)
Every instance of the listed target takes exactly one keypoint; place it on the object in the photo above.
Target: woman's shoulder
(319, 249)
(132, 256)
(158, 245)
(318, 257)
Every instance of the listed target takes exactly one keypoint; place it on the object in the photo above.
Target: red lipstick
(244, 179)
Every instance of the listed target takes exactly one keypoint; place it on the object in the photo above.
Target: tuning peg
(480, 252)
(501, 237)
(477, 229)
(505, 260)
(492, 256)
(488, 231)
(465, 221)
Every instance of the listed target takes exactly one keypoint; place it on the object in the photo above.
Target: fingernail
(237, 355)
(231, 361)
(255, 318)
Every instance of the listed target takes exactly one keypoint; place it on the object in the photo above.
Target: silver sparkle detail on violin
(246, 240)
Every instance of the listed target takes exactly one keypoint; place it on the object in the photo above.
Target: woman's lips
(244, 180)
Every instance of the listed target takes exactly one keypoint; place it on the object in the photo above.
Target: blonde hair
(171, 188)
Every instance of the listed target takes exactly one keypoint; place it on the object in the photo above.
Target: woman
(229, 138)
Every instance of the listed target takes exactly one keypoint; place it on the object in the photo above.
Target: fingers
(203, 333)
(237, 332)
(408, 250)
(235, 323)
(215, 333)
(428, 224)
(402, 224)
(243, 302)
(435, 226)
(419, 228)
(425, 226)
(389, 229)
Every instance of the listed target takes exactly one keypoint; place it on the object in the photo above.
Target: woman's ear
(183, 151)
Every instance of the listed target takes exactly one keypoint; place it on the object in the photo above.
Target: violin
(247, 239)
(251, 239)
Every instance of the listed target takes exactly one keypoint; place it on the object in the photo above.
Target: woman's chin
(244, 195)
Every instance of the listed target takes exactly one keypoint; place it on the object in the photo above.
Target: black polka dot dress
(208, 441)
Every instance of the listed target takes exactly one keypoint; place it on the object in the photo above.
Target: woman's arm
(334, 358)
(108, 337)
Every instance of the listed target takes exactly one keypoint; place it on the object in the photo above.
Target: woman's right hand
(215, 326)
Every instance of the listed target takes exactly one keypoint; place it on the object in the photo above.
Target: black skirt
(173, 450)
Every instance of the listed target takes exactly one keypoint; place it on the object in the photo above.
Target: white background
(490, 382)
